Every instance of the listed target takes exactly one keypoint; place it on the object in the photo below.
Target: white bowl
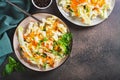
(16, 46)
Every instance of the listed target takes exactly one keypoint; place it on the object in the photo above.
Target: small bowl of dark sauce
(42, 4)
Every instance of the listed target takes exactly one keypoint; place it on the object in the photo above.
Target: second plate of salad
(85, 12)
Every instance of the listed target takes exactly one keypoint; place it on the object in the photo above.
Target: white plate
(77, 22)
(24, 24)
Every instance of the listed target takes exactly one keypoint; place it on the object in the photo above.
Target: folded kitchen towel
(9, 18)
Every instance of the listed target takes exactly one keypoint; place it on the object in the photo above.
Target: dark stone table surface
(95, 53)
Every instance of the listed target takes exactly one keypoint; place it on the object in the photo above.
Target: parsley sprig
(12, 66)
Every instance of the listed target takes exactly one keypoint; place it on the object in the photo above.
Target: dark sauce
(42, 3)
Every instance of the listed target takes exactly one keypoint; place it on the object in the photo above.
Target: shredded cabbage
(86, 10)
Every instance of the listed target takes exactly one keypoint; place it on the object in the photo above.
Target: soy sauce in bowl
(41, 4)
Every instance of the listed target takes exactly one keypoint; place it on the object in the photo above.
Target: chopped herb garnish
(64, 42)
(44, 28)
(45, 39)
(38, 53)
(39, 43)
(68, 7)
(44, 55)
(44, 65)
(56, 53)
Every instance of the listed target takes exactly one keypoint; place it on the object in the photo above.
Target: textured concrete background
(95, 54)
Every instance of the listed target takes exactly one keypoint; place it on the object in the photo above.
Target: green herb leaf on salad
(64, 43)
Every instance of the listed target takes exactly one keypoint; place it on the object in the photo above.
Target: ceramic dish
(29, 61)
(77, 21)
(42, 4)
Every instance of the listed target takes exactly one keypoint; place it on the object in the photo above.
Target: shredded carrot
(50, 61)
(32, 34)
(75, 3)
(94, 2)
(82, 20)
(24, 36)
(47, 46)
(40, 36)
(37, 56)
(49, 33)
(56, 48)
(25, 55)
(34, 43)
(55, 25)
(44, 59)
(100, 3)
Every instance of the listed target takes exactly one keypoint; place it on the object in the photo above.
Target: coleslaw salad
(45, 44)
(86, 10)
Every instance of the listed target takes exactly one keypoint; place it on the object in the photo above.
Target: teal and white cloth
(9, 18)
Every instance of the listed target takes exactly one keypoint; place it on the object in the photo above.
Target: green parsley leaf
(64, 43)
(12, 66)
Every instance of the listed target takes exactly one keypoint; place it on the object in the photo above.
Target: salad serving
(86, 10)
(44, 44)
